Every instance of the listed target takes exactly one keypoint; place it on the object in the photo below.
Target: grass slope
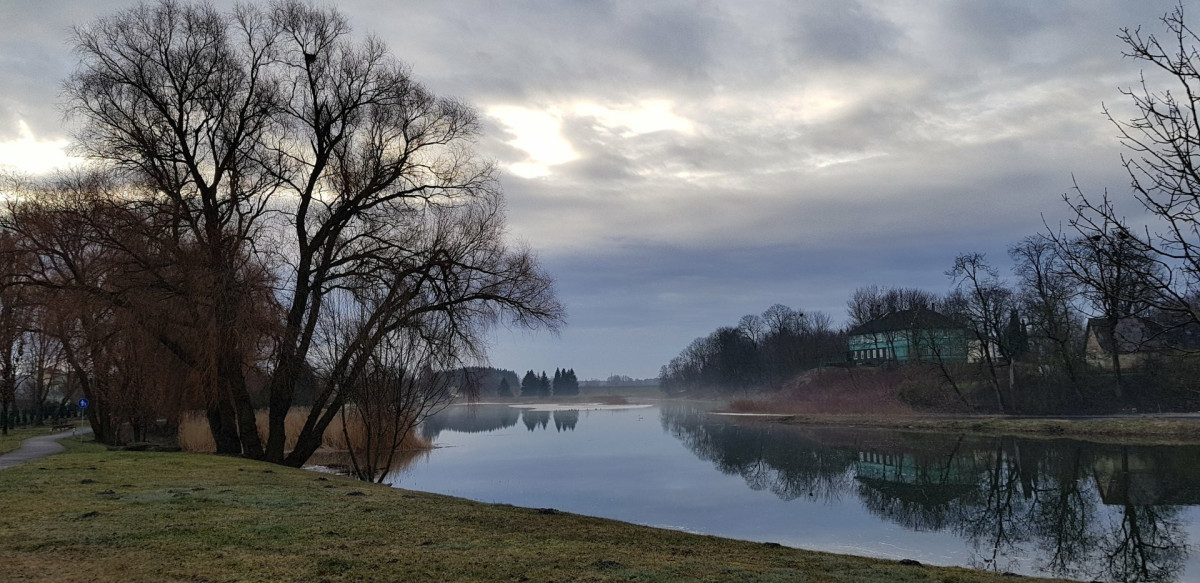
(95, 515)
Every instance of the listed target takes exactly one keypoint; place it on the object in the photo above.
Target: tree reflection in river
(1081, 510)
(534, 419)
(469, 419)
(565, 419)
(767, 456)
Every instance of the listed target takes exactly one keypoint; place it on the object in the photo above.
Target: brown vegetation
(837, 391)
(194, 434)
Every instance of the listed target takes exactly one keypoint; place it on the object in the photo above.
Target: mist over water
(1048, 507)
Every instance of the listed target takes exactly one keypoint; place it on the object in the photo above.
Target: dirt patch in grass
(181, 516)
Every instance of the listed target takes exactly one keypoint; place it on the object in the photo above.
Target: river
(1058, 507)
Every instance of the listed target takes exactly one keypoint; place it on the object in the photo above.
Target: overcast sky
(677, 165)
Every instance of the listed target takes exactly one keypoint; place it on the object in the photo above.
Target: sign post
(83, 405)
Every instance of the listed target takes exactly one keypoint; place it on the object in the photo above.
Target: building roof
(916, 319)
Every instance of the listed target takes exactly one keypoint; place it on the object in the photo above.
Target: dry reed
(195, 436)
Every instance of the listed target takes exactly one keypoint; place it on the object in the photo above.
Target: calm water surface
(1062, 507)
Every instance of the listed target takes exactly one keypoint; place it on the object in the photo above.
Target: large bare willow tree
(269, 147)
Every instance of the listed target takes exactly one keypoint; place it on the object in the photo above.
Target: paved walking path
(38, 447)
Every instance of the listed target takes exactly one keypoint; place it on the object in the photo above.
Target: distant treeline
(483, 381)
(761, 352)
(1080, 326)
(619, 380)
(564, 384)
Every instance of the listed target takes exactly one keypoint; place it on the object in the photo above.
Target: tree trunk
(283, 384)
(224, 431)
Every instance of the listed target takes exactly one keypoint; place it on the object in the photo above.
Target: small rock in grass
(910, 562)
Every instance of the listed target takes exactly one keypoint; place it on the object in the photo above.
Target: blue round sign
(83, 403)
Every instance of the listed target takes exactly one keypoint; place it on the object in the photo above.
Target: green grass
(94, 515)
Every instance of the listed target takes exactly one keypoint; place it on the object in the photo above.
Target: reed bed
(194, 435)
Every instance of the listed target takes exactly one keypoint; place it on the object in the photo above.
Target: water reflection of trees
(470, 419)
(1081, 510)
(767, 457)
(483, 418)
(565, 420)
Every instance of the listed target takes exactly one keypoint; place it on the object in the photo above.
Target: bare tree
(1047, 294)
(14, 322)
(1114, 275)
(255, 138)
(872, 302)
(986, 304)
(1162, 141)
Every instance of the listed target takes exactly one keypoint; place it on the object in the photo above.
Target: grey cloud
(842, 33)
(978, 113)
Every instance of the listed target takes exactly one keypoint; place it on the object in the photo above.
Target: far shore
(1183, 428)
(1168, 428)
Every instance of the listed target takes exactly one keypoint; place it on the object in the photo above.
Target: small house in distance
(1136, 339)
(918, 335)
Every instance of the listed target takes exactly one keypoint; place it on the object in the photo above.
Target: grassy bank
(1125, 429)
(95, 515)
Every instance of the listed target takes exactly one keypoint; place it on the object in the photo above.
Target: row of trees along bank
(1098, 314)
(274, 215)
(564, 384)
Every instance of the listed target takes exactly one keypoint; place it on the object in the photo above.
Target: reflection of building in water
(1146, 477)
(904, 468)
(915, 493)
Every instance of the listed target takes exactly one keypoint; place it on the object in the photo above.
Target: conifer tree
(530, 387)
